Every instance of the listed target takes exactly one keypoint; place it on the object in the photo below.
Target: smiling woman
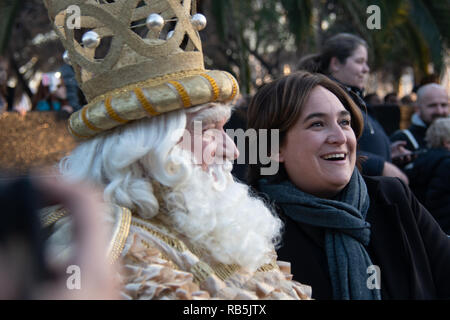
(365, 237)
(324, 163)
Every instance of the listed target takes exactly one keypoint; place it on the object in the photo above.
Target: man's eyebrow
(212, 115)
(342, 113)
(211, 118)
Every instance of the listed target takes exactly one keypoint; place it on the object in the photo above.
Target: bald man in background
(432, 103)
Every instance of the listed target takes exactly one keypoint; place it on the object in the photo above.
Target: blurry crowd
(57, 91)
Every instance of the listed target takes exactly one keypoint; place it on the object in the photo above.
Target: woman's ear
(335, 65)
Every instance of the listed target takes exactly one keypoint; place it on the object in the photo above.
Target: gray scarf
(347, 232)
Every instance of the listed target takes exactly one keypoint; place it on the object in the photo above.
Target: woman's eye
(317, 124)
(345, 122)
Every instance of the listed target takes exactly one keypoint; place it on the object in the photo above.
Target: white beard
(217, 213)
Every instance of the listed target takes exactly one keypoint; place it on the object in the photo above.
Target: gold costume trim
(117, 242)
(113, 114)
(268, 266)
(173, 242)
(144, 102)
(235, 86)
(182, 93)
(86, 121)
(214, 86)
(201, 272)
(76, 134)
(121, 237)
(53, 217)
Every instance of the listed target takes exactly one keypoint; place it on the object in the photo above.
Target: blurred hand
(98, 276)
(391, 170)
(399, 153)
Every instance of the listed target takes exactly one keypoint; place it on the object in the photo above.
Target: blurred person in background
(408, 100)
(391, 98)
(56, 100)
(11, 99)
(43, 99)
(72, 89)
(386, 113)
(432, 103)
(344, 59)
(60, 95)
(23, 104)
(6, 92)
(372, 99)
(430, 173)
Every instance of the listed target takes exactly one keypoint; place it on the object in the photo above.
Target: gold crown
(135, 59)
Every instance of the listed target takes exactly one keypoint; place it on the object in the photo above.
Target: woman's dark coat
(407, 244)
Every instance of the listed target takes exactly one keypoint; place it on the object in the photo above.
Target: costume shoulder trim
(121, 230)
(118, 217)
(50, 215)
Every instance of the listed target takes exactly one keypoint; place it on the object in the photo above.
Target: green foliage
(8, 11)
(414, 33)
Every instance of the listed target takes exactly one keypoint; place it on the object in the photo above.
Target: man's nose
(227, 150)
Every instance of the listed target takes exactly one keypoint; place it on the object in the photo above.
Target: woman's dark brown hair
(278, 106)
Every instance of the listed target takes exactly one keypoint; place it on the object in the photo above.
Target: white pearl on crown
(198, 21)
(155, 22)
(91, 39)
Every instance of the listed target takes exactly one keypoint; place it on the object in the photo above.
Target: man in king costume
(180, 226)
